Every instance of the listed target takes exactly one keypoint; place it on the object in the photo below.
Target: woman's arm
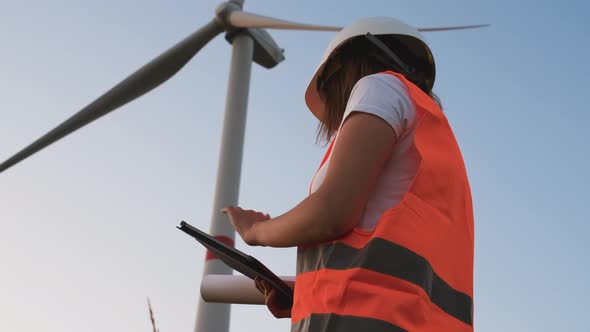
(365, 143)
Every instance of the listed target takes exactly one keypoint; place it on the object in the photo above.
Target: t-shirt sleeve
(385, 96)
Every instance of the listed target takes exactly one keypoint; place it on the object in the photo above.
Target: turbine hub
(223, 11)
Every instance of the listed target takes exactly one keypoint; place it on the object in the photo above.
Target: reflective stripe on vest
(332, 322)
(414, 271)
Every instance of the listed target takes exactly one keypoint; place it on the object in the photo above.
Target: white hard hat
(377, 26)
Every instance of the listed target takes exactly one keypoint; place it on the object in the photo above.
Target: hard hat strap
(381, 46)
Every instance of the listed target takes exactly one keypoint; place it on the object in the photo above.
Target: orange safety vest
(414, 271)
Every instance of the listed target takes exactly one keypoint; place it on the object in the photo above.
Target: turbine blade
(463, 27)
(148, 77)
(242, 19)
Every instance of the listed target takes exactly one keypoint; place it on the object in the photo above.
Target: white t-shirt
(385, 96)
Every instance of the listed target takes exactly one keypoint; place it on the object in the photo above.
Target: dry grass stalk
(152, 319)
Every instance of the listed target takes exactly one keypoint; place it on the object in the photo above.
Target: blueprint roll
(232, 289)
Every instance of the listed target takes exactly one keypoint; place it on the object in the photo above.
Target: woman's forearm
(318, 218)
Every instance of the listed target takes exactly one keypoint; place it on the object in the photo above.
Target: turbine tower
(250, 43)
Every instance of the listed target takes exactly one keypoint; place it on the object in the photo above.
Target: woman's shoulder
(383, 82)
(383, 95)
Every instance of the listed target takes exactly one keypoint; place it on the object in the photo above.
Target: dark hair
(353, 61)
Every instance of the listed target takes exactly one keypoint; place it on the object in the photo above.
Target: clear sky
(87, 226)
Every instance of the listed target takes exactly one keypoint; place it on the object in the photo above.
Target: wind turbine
(250, 43)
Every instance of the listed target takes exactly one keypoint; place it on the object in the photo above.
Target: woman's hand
(244, 222)
(278, 308)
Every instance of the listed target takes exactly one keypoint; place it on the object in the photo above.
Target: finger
(232, 208)
(232, 212)
(273, 306)
(258, 286)
(266, 285)
(229, 212)
(270, 302)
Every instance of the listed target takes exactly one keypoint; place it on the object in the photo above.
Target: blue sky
(88, 225)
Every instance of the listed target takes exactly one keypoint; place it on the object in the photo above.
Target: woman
(385, 238)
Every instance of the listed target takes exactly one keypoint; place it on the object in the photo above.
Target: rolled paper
(237, 289)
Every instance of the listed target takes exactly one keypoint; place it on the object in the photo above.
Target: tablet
(239, 261)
